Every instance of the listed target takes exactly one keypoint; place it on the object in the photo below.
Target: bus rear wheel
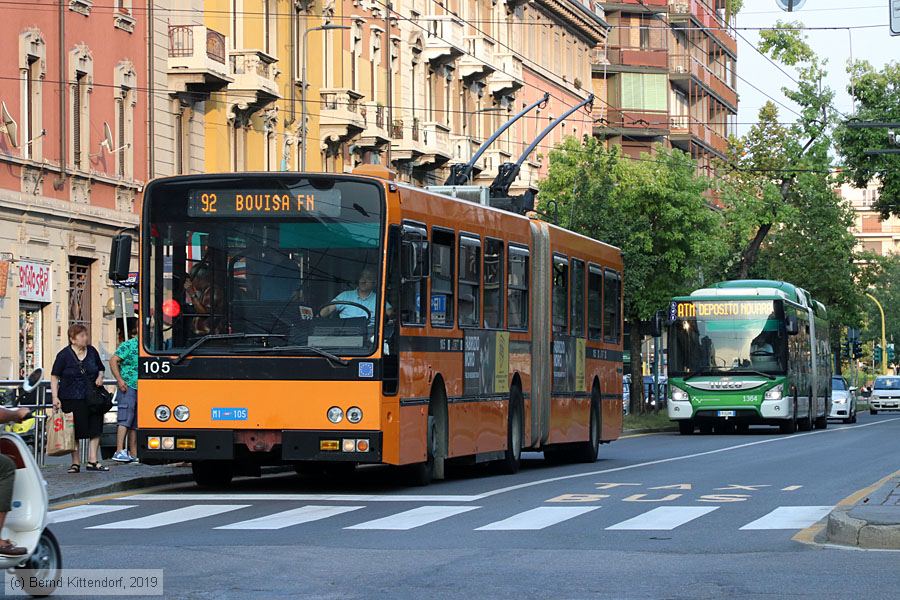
(807, 422)
(790, 426)
(686, 427)
(212, 473)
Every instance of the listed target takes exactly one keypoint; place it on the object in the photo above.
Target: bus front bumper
(175, 445)
(769, 410)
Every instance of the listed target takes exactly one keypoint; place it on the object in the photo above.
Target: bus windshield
(726, 337)
(257, 263)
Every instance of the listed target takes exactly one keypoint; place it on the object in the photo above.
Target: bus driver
(364, 295)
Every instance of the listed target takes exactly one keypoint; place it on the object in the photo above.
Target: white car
(843, 400)
(885, 394)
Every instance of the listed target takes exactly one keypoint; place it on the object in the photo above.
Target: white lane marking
(791, 488)
(488, 494)
(789, 517)
(416, 517)
(538, 518)
(171, 517)
(295, 516)
(73, 513)
(307, 497)
(664, 518)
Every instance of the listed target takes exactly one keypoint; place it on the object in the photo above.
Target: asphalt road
(658, 516)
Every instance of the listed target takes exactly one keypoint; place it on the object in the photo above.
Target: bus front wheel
(790, 426)
(512, 456)
(212, 473)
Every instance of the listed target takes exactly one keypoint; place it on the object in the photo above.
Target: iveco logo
(726, 385)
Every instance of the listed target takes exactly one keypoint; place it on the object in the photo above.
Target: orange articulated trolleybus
(325, 320)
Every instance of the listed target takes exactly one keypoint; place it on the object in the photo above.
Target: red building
(73, 147)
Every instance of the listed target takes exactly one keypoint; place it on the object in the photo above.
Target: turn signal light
(362, 445)
(329, 445)
(186, 444)
(153, 443)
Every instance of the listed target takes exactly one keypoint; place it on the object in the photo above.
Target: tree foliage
(876, 95)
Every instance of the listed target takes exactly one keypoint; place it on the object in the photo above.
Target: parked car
(843, 400)
(885, 394)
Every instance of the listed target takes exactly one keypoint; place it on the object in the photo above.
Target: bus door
(541, 359)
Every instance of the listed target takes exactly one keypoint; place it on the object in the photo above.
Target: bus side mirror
(792, 325)
(120, 257)
(414, 258)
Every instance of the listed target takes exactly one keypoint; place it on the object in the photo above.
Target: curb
(869, 523)
(648, 430)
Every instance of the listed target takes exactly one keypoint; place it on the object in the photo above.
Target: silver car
(843, 400)
(885, 394)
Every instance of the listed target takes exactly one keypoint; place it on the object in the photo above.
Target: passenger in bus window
(364, 295)
(203, 297)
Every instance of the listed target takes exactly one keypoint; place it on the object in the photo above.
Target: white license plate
(725, 413)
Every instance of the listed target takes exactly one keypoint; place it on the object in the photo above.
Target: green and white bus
(748, 352)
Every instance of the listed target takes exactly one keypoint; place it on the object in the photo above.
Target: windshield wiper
(700, 372)
(222, 336)
(315, 350)
(752, 372)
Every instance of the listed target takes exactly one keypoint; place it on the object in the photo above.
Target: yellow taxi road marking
(791, 488)
(808, 535)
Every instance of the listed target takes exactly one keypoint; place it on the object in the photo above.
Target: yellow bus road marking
(808, 535)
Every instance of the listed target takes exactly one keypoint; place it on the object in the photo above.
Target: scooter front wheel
(45, 561)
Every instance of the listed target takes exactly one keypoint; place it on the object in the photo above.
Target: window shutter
(76, 122)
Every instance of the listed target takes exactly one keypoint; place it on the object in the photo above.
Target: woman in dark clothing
(70, 388)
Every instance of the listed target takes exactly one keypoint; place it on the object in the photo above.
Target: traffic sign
(895, 16)
(790, 5)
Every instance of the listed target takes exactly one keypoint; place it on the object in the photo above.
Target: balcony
(445, 39)
(648, 58)
(684, 68)
(435, 144)
(703, 14)
(340, 118)
(508, 76)
(479, 60)
(464, 148)
(687, 129)
(254, 74)
(492, 159)
(644, 123)
(405, 139)
(196, 61)
(375, 134)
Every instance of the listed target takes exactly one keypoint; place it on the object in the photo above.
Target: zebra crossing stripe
(789, 517)
(416, 517)
(171, 517)
(538, 518)
(663, 518)
(295, 516)
(74, 513)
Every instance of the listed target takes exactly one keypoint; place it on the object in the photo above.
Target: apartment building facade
(872, 234)
(669, 75)
(73, 148)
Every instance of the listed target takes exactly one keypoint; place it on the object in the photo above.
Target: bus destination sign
(728, 309)
(284, 202)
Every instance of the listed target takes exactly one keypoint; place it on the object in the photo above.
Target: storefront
(34, 295)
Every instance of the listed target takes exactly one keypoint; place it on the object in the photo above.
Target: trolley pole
(884, 358)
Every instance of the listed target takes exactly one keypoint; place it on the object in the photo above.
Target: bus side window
(413, 288)
(560, 294)
(517, 289)
(441, 278)
(390, 364)
(612, 302)
(595, 303)
(577, 301)
(493, 284)
(469, 281)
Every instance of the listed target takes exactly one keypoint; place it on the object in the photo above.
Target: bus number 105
(157, 367)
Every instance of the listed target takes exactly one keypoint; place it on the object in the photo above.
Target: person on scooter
(7, 478)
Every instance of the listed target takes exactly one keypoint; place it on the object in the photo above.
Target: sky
(873, 44)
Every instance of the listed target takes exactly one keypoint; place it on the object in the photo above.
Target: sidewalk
(63, 486)
(873, 522)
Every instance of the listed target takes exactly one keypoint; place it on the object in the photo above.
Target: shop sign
(34, 281)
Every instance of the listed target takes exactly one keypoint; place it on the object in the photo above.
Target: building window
(80, 291)
(493, 284)
(442, 278)
(270, 26)
(125, 133)
(517, 288)
(31, 119)
(80, 128)
(469, 281)
(644, 91)
(355, 44)
(560, 299)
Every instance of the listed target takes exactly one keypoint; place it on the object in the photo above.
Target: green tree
(877, 98)
(884, 284)
(652, 208)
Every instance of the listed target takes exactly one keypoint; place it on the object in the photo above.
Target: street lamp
(327, 27)
(884, 359)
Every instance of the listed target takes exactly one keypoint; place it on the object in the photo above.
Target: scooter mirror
(33, 380)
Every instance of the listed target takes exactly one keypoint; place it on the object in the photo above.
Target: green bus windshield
(727, 337)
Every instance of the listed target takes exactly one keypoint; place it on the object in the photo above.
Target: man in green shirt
(124, 367)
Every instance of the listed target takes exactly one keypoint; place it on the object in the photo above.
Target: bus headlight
(774, 393)
(354, 414)
(335, 414)
(181, 413)
(162, 413)
(679, 395)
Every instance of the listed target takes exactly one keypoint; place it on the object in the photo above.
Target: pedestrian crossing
(462, 516)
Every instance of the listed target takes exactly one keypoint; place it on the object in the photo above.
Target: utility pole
(884, 357)
(389, 87)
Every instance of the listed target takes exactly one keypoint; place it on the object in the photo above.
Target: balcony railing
(707, 16)
(696, 128)
(397, 129)
(445, 37)
(641, 57)
(682, 64)
(652, 121)
(182, 44)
